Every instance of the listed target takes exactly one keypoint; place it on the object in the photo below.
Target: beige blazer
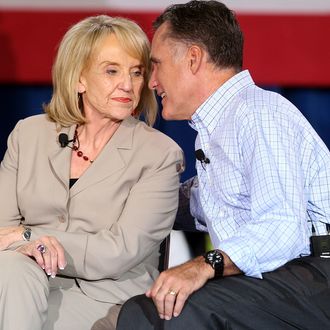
(113, 219)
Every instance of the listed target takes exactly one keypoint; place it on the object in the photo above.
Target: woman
(87, 192)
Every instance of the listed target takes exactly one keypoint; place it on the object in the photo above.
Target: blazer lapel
(60, 158)
(109, 160)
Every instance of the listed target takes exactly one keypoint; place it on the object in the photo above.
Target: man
(263, 189)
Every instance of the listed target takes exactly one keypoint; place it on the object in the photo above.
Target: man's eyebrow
(154, 60)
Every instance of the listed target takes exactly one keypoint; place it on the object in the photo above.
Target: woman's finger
(49, 256)
(61, 261)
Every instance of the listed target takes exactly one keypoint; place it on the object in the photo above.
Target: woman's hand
(10, 235)
(48, 253)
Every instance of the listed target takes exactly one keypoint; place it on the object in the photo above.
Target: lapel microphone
(201, 156)
(63, 139)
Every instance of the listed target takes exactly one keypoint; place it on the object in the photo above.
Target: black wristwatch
(215, 259)
(26, 233)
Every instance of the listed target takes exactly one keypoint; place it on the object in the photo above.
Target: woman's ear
(81, 88)
(195, 54)
(81, 85)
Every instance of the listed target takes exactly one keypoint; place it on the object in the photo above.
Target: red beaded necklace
(76, 148)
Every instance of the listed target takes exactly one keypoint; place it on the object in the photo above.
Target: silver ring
(171, 292)
(41, 248)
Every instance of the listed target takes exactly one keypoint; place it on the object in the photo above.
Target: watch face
(27, 234)
(215, 259)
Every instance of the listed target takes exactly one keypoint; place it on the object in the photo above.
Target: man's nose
(152, 84)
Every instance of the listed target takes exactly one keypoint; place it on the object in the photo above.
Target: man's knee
(140, 309)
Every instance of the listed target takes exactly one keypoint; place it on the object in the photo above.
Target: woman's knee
(18, 268)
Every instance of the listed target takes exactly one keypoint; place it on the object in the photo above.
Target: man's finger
(170, 298)
(179, 303)
(159, 301)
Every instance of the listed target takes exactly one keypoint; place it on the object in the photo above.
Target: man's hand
(48, 253)
(173, 286)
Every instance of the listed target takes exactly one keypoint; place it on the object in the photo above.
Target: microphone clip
(63, 139)
(200, 156)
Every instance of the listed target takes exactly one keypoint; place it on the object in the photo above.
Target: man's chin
(167, 115)
(172, 114)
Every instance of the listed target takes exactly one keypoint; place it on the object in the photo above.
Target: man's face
(170, 75)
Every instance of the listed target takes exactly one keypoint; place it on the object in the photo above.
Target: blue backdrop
(19, 101)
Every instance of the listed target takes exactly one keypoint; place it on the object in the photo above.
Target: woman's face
(111, 85)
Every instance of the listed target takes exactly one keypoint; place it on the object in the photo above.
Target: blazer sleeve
(9, 211)
(147, 218)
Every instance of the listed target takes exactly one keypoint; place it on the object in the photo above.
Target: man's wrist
(206, 268)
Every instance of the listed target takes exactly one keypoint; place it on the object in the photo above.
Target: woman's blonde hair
(73, 57)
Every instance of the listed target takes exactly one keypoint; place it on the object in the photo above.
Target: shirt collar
(210, 111)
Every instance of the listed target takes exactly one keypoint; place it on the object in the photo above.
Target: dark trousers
(295, 296)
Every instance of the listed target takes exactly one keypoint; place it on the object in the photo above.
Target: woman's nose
(126, 82)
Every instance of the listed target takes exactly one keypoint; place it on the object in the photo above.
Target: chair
(185, 222)
(164, 250)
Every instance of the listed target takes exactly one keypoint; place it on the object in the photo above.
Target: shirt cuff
(241, 255)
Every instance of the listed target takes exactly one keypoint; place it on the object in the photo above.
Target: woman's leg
(23, 292)
(108, 322)
(69, 308)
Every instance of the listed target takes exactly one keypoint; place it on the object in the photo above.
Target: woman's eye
(111, 72)
(137, 73)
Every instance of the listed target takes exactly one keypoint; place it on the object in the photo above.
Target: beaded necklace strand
(76, 148)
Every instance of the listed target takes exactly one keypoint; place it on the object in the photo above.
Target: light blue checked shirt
(268, 177)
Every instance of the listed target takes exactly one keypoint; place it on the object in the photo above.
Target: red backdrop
(286, 50)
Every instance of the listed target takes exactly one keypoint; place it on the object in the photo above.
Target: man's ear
(195, 54)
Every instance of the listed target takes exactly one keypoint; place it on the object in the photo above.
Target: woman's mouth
(122, 99)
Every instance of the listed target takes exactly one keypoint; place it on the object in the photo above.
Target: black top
(73, 181)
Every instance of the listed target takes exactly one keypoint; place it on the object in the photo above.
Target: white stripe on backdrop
(255, 6)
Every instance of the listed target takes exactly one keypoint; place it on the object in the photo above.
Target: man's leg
(23, 292)
(296, 296)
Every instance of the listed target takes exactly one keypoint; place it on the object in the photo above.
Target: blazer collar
(108, 162)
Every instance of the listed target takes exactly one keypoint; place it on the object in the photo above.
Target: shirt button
(61, 218)
(222, 213)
